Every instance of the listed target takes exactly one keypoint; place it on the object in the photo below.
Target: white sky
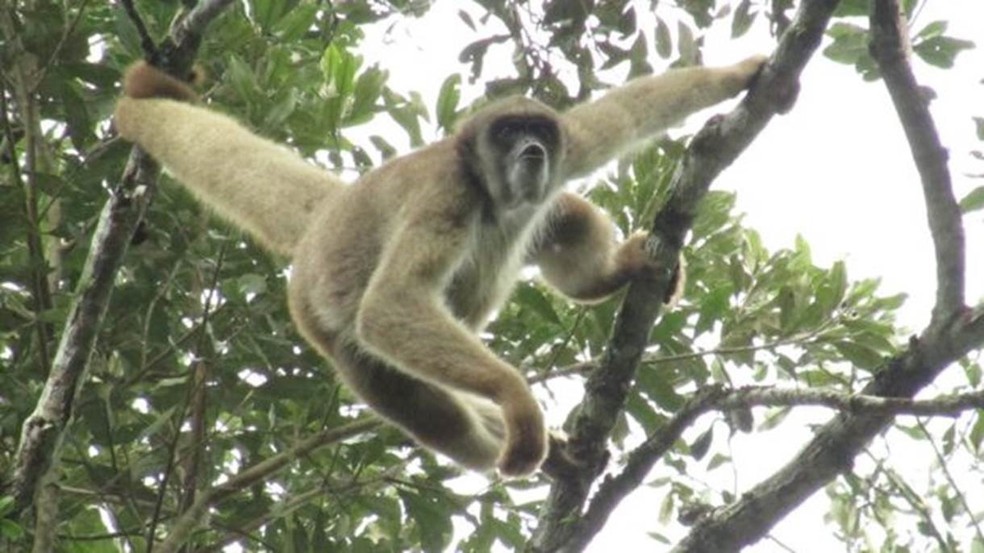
(836, 170)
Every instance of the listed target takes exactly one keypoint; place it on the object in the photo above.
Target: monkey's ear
(143, 80)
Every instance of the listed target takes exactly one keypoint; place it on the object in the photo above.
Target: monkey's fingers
(634, 259)
(746, 70)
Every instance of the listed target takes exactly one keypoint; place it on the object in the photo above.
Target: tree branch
(146, 42)
(195, 515)
(891, 49)
(43, 431)
(641, 460)
(951, 334)
(715, 147)
(535, 376)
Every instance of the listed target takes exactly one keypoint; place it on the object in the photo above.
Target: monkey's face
(520, 155)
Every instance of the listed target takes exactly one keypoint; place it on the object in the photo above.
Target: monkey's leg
(403, 320)
(467, 431)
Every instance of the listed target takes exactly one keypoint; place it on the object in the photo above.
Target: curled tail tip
(143, 80)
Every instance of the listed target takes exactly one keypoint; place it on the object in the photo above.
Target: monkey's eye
(506, 131)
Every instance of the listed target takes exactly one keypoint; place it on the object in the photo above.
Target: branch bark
(716, 146)
(891, 49)
(43, 431)
(952, 333)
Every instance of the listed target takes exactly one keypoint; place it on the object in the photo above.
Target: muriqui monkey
(394, 276)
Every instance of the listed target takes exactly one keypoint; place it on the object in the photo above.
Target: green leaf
(76, 116)
(159, 422)
(638, 57)
(774, 418)
(267, 12)
(941, 51)
(850, 43)
(718, 460)
(973, 373)
(280, 110)
(447, 102)
(713, 307)
(702, 444)
(973, 201)
(936, 28)
(6, 505)
(852, 8)
(296, 23)
(743, 19)
(687, 44)
(834, 287)
(860, 355)
(430, 518)
(252, 283)
(368, 89)
(10, 530)
(533, 299)
(241, 77)
(664, 42)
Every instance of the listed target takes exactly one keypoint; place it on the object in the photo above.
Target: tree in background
(154, 396)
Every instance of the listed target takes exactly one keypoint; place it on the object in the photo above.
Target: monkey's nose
(533, 153)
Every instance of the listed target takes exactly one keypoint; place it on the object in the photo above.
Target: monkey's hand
(143, 80)
(633, 259)
(741, 75)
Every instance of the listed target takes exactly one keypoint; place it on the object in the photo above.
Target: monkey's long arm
(600, 131)
(403, 320)
(577, 253)
(260, 186)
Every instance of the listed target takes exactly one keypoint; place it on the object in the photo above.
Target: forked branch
(43, 431)
(714, 148)
(952, 333)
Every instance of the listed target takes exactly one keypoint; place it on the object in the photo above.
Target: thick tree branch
(43, 431)
(713, 149)
(643, 458)
(952, 333)
(891, 49)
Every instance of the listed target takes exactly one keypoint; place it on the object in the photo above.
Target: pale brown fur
(393, 277)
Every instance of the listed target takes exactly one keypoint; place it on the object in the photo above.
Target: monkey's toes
(524, 454)
(521, 461)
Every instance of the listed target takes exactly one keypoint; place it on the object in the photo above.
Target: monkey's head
(513, 150)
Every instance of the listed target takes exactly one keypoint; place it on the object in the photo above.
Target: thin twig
(957, 489)
(185, 524)
(146, 42)
(66, 33)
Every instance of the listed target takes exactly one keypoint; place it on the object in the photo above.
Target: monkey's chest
(475, 295)
(487, 273)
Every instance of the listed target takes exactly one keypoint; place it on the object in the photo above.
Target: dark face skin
(525, 150)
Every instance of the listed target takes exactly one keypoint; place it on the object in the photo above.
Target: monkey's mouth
(533, 153)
